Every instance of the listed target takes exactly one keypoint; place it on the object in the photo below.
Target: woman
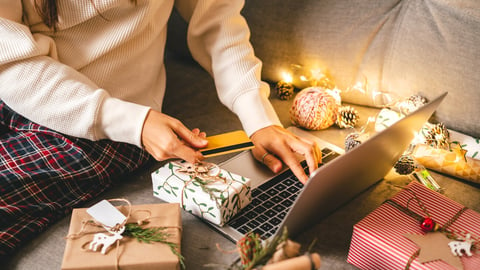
(82, 84)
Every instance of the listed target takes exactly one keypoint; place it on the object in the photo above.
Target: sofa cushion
(399, 47)
(403, 47)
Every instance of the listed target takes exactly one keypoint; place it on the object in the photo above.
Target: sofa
(396, 48)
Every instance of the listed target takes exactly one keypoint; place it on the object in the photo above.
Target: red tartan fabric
(44, 174)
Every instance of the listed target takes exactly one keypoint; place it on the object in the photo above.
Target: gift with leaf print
(203, 189)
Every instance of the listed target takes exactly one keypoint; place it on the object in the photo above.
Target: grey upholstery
(400, 46)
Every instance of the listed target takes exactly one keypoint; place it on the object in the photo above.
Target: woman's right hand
(165, 137)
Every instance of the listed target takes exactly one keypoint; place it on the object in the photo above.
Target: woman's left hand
(274, 144)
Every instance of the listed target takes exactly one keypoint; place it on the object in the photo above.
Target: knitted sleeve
(218, 37)
(36, 85)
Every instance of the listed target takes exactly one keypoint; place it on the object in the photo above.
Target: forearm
(59, 97)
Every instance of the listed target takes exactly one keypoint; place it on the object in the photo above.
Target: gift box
(129, 254)
(448, 162)
(204, 190)
(382, 240)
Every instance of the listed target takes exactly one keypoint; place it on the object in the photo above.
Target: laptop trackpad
(246, 165)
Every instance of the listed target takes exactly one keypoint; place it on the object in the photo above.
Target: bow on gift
(205, 174)
(439, 242)
(203, 171)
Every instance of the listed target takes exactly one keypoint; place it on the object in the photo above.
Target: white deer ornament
(105, 240)
(458, 247)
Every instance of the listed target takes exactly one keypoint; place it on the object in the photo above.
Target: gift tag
(105, 213)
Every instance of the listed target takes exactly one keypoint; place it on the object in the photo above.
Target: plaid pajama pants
(44, 174)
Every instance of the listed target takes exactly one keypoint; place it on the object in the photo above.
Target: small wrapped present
(453, 163)
(413, 230)
(128, 253)
(203, 189)
(277, 253)
(469, 143)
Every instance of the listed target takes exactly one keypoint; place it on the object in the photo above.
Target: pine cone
(351, 141)
(405, 165)
(438, 136)
(284, 90)
(347, 117)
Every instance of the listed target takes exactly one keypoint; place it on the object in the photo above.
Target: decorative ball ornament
(428, 225)
(405, 165)
(314, 108)
(347, 117)
(284, 90)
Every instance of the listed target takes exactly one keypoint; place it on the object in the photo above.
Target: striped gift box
(379, 241)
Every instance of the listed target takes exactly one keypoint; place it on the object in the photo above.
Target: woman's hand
(165, 137)
(274, 144)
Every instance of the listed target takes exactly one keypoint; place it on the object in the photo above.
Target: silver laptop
(282, 201)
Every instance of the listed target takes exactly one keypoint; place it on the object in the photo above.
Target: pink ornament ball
(314, 108)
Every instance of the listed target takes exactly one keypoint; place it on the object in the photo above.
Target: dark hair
(47, 9)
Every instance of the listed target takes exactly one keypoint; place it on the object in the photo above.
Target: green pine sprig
(261, 253)
(153, 234)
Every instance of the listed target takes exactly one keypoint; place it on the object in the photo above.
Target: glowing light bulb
(287, 77)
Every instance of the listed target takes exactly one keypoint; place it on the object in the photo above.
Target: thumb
(194, 138)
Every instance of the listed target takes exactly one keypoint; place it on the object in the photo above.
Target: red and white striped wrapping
(378, 240)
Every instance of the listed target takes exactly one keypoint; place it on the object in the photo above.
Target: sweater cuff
(122, 121)
(255, 110)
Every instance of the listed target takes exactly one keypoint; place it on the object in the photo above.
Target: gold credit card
(227, 143)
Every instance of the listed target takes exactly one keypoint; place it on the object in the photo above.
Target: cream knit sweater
(98, 75)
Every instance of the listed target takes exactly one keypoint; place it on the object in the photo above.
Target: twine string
(201, 173)
(420, 203)
(412, 258)
(113, 229)
(420, 218)
(91, 222)
(444, 229)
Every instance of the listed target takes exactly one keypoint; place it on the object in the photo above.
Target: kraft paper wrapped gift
(132, 254)
(204, 190)
(379, 240)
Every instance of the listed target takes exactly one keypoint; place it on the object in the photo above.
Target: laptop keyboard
(272, 200)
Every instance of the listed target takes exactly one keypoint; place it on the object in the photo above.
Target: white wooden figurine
(458, 247)
(105, 240)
